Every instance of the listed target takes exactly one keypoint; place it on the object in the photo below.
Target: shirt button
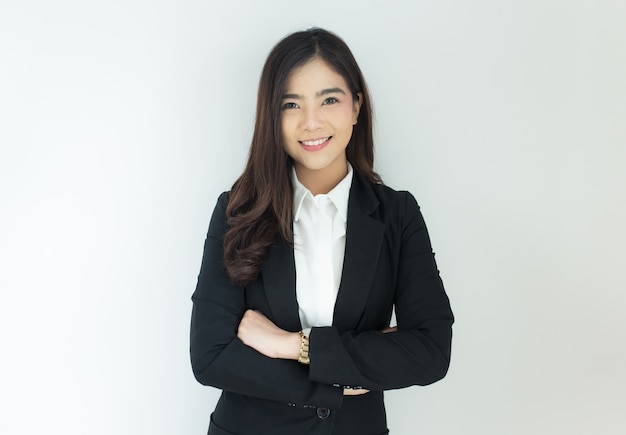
(323, 413)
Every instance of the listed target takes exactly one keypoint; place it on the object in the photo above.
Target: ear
(357, 107)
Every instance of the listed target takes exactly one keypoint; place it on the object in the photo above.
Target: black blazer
(388, 262)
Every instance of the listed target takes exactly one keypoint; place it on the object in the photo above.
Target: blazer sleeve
(222, 360)
(418, 353)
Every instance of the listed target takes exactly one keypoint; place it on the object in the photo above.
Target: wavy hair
(259, 210)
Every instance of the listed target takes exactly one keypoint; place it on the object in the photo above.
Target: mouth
(316, 143)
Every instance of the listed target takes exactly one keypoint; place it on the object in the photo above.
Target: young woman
(305, 259)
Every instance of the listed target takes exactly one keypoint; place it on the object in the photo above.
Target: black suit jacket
(388, 262)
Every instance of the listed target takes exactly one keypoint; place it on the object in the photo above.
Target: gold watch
(303, 357)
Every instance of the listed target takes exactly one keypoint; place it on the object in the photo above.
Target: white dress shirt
(319, 234)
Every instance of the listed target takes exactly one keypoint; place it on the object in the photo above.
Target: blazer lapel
(364, 235)
(279, 281)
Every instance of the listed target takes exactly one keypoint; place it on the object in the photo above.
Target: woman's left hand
(261, 334)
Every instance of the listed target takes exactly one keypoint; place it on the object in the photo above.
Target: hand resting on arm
(258, 332)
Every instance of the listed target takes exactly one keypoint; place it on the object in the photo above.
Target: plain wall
(122, 121)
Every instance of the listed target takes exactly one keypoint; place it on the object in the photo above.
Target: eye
(330, 100)
(290, 105)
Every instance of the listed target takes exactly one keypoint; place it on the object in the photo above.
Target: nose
(311, 119)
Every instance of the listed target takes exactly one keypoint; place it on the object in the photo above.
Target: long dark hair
(260, 205)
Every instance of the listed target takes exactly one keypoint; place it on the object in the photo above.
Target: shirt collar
(338, 195)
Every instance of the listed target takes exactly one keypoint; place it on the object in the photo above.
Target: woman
(305, 259)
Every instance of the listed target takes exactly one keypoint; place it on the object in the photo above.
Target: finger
(353, 392)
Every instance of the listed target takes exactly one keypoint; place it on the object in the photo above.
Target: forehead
(313, 76)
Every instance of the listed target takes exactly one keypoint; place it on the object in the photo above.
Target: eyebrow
(317, 94)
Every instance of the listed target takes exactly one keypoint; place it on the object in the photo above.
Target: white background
(122, 121)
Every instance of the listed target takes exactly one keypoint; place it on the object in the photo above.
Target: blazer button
(323, 413)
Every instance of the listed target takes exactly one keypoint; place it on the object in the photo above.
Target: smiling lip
(315, 144)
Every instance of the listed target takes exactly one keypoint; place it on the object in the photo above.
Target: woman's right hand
(352, 392)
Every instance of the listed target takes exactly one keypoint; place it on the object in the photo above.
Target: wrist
(291, 346)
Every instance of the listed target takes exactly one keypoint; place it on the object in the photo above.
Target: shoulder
(222, 204)
(397, 207)
(388, 195)
(399, 212)
(218, 224)
(222, 200)
(386, 201)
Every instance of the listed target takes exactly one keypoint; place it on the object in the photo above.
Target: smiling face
(317, 117)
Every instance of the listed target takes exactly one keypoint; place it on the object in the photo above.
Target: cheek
(348, 114)
(286, 125)
(287, 134)
(284, 131)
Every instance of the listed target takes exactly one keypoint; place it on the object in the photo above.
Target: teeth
(312, 143)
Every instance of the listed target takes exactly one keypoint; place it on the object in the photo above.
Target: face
(318, 114)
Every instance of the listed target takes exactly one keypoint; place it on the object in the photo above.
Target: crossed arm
(242, 351)
(260, 333)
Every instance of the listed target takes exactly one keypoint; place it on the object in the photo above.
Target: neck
(321, 181)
